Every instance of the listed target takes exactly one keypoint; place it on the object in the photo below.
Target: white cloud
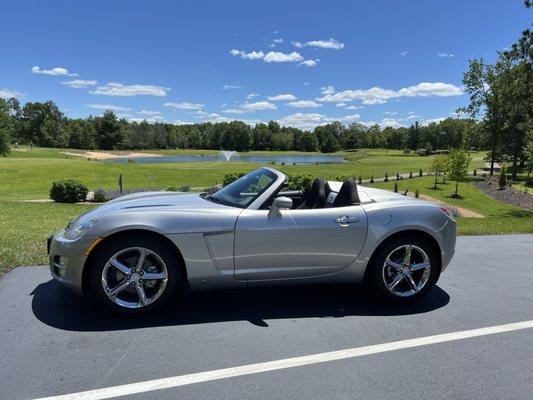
(259, 105)
(282, 97)
(278, 40)
(354, 107)
(151, 120)
(340, 105)
(403, 53)
(390, 112)
(390, 122)
(377, 95)
(346, 118)
(426, 89)
(205, 114)
(56, 71)
(302, 121)
(432, 120)
(306, 84)
(304, 104)
(107, 107)
(277, 57)
(125, 115)
(118, 89)
(413, 116)
(79, 83)
(234, 111)
(309, 63)
(250, 96)
(327, 90)
(253, 55)
(231, 87)
(8, 93)
(324, 44)
(184, 106)
(148, 112)
(445, 55)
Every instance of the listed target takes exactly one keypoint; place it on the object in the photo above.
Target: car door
(297, 243)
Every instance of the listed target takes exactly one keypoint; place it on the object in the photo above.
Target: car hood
(152, 201)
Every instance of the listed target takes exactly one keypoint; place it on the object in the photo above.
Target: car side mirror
(279, 203)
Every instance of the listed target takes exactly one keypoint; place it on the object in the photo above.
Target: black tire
(376, 272)
(107, 250)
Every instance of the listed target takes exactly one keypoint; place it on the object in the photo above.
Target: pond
(262, 159)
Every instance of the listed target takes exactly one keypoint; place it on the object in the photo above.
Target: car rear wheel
(405, 269)
(133, 275)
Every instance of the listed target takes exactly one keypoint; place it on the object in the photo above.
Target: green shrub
(417, 193)
(184, 188)
(503, 179)
(386, 177)
(68, 191)
(529, 181)
(395, 187)
(475, 172)
(420, 173)
(300, 181)
(231, 176)
(100, 196)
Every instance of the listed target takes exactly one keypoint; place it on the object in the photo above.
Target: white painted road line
(181, 380)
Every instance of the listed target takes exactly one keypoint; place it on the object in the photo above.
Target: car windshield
(242, 192)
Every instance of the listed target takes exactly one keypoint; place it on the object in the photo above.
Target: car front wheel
(133, 275)
(405, 269)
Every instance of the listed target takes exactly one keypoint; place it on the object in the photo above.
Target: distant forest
(43, 124)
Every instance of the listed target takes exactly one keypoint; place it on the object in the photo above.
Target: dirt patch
(104, 155)
(507, 195)
(463, 212)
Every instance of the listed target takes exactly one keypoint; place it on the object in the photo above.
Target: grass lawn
(500, 217)
(28, 174)
(24, 228)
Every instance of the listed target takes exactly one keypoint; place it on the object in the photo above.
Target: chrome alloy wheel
(134, 277)
(406, 270)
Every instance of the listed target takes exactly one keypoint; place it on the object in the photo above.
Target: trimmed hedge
(68, 191)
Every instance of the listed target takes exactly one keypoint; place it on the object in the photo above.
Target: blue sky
(302, 63)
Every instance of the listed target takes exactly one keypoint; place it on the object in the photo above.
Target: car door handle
(346, 220)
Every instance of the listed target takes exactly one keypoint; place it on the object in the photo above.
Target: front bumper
(72, 255)
(448, 235)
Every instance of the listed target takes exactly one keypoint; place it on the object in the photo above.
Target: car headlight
(77, 230)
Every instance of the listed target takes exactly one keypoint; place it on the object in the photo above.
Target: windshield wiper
(214, 199)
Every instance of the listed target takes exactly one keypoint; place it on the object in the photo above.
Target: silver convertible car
(139, 251)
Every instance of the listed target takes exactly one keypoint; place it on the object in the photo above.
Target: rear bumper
(67, 258)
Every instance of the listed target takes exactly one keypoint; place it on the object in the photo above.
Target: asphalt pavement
(54, 343)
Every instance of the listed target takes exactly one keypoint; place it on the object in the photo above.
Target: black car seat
(316, 196)
(348, 195)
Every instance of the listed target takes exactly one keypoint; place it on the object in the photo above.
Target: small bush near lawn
(230, 177)
(300, 182)
(100, 196)
(68, 191)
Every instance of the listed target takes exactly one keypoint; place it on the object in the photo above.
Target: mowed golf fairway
(28, 175)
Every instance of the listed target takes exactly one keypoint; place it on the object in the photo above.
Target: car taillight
(447, 212)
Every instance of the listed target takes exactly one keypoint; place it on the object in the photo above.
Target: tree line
(43, 124)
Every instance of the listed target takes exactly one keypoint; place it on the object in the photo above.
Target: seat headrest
(316, 196)
(348, 194)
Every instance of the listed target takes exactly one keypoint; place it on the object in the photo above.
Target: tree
(458, 161)
(308, 142)
(413, 136)
(263, 137)
(439, 165)
(108, 132)
(502, 182)
(5, 128)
